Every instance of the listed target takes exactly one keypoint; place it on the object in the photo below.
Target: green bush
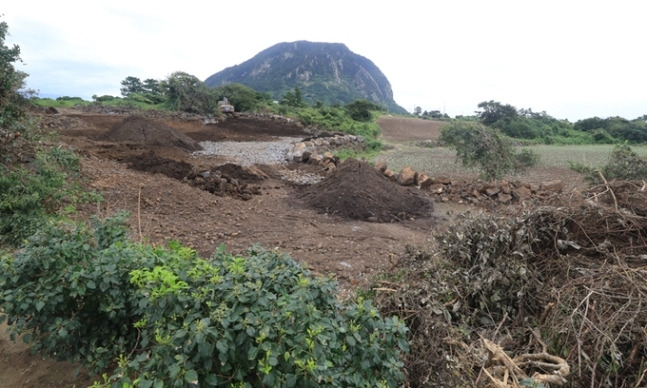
(527, 158)
(623, 163)
(256, 321)
(478, 145)
(28, 194)
(69, 297)
(362, 110)
(168, 318)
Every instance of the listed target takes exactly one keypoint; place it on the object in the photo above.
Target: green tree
(152, 85)
(360, 110)
(294, 99)
(187, 93)
(11, 81)
(478, 145)
(298, 97)
(131, 85)
(493, 111)
(241, 97)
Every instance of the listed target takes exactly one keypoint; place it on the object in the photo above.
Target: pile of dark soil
(229, 179)
(140, 130)
(151, 163)
(356, 190)
(236, 171)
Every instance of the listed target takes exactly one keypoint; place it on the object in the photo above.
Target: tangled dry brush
(553, 294)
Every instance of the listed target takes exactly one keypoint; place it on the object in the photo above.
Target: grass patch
(441, 161)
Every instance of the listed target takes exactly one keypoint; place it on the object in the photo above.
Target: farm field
(418, 152)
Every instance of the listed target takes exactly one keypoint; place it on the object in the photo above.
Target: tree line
(543, 128)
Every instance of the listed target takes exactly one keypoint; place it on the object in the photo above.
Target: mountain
(326, 72)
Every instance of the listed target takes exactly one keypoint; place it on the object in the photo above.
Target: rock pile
(475, 192)
(316, 150)
(228, 180)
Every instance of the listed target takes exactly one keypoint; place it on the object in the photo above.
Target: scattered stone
(555, 186)
(423, 180)
(380, 166)
(390, 174)
(492, 191)
(522, 192)
(504, 198)
(407, 176)
(442, 180)
(437, 188)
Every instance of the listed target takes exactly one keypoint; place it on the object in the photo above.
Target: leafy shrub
(492, 259)
(103, 98)
(29, 194)
(169, 318)
(362, 110)
(527, 158)
(602, 137)
(256, 321)
(476, 144)
(623, 163)
(70, 298)
(11, 81)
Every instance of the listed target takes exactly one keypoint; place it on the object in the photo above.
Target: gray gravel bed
(250, 153)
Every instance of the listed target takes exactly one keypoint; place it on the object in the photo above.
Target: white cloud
(572, 59)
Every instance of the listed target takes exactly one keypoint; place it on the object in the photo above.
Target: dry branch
(557, 368)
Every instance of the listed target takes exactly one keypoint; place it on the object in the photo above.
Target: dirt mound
(229, 179)
(152, 163)
(140, 130)
(356, 190)
(235, 171)
(259, 126)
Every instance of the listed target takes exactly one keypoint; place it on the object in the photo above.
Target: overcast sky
(571, 59)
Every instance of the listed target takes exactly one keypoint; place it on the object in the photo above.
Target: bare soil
(398, 129)
(354, 225)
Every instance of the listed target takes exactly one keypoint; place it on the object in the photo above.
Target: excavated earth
(209, 182)
(186, 178)
(212, 182)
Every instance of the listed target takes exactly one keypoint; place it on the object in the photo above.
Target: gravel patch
(250, 153)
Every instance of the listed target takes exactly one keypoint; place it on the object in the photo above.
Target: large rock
(555, 186)
(522, 192)
(423, 180)
(505, 187)
(492, 191)
(504, 198)
(317, 159)
(407, 176)
(437, 188)
(390, 174)
(296, 154)
(442, 180)
(380, 166)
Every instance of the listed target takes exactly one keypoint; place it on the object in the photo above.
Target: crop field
(440, 161)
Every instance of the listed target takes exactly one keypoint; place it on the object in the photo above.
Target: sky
(569, 58)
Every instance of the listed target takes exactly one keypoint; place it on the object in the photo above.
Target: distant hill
(326, 72)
